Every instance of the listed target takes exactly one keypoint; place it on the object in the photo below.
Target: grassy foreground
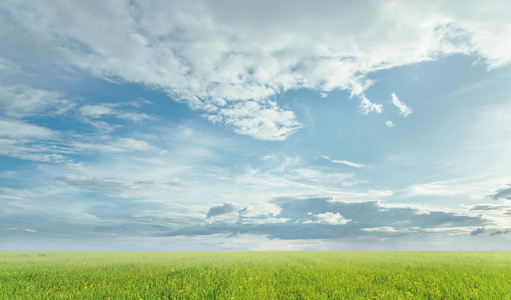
(255, 275)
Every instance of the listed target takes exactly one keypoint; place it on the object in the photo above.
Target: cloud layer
(324, 218)
(219, 58)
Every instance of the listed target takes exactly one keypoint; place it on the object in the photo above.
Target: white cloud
(262, 122)
(110, 145)
(214, 56)
(389, 124)
(134, 116)
(22, 130)
(292, 176)
(404, 110)
(96, 111)
(261, 213)
(33, 152)
(26, 141)
(103, 110)
(133, 144)
(263, 209)
(380, 229)
(328, 218)
(349, 163)
(380, 193)
(19, 229)
(367, 106)
(19, 101)
(264, 221)
(434, 189)
(23, 140)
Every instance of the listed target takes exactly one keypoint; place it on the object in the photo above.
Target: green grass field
(255, 275)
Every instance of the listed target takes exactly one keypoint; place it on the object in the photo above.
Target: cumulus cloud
(389, 124)
(323, 218)
(404, 110)
(219, 59)
(262, 121)
(367, 106)
(327, 218)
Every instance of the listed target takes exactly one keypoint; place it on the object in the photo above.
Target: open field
(255, 275)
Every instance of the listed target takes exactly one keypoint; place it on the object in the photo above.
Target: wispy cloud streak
(404, 110)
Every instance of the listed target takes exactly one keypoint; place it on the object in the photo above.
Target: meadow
(255, 275)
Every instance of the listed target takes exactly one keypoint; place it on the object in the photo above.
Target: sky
(255, 125)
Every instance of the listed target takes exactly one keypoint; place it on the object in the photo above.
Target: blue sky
(214, 125)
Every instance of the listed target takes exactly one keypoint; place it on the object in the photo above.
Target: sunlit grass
(255, 275)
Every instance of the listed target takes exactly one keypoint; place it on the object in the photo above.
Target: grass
(255, 275)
